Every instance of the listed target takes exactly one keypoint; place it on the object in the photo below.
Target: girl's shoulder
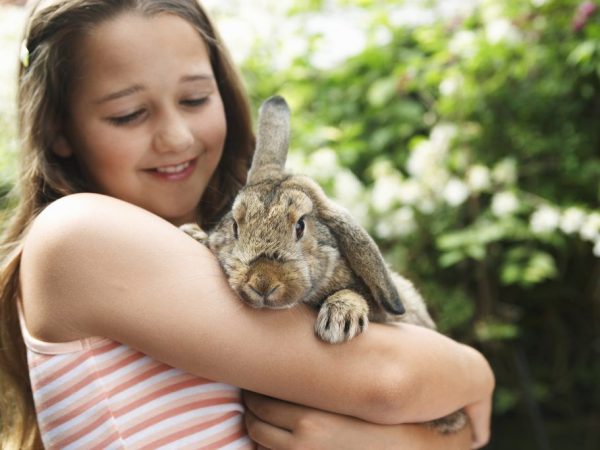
(83, 250)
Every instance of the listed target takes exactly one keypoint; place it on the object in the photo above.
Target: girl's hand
(279, 425)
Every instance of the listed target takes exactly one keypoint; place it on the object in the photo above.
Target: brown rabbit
(284, 242)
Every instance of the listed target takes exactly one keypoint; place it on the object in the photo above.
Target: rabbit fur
(284, 242)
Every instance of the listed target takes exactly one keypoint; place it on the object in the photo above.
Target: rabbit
(284, 242)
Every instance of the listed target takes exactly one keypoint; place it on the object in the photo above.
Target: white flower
(410, 192)
(505, 171)
(491, 10)
(572, 219)
(430, 154)
(385, 192)
(455, 192)
(341, 36)
(478, 178)
(347, 188)
(463, 43)
(539, 3)
(426, 205)
(384, 229)
(544, 220)
(400, 223)
(323, 163)
(597, 248)
(590, 230)
(449, 86)
(504, 203)
(442, 135)
(404, 221)
(422, 157)
(501, 30)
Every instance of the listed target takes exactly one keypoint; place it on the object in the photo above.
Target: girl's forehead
(132, 48)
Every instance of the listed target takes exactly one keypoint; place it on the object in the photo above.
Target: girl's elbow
(391, 396)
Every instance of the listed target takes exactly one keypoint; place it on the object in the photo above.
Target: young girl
(112, 321)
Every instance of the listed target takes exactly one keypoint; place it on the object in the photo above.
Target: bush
(469, 148)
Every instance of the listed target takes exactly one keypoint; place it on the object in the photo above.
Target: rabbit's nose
(264, 290)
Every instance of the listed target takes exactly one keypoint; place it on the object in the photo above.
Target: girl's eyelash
(195, 101)
(128, 118)
(123, 120)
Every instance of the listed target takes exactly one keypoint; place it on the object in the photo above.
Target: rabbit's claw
(342, 316)
(195, 231)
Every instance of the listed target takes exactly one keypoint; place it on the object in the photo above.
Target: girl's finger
(265, 434)
(276, 412)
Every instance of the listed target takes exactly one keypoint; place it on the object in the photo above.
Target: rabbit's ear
(272, 139)
(358, 248)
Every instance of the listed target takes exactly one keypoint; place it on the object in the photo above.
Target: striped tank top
(99, 394)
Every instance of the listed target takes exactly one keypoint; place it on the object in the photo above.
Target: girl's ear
(61, 147)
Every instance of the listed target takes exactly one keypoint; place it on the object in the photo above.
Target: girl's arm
(96, 266)
(273, 423)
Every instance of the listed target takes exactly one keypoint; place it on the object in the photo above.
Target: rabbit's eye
(235, 229)
(300, 228)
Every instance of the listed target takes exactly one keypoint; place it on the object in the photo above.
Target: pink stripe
(69, 365)
(68, 414)
(156, 394)
(173, 412)
(226, 440)
(105, 442)
(189, 431)
(88, 378)
(149, 373)
(36, 359)
(146, 387)
(103, 418)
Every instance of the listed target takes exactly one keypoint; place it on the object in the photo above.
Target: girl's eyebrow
(137, 87)
(198, 77)
(122, 93)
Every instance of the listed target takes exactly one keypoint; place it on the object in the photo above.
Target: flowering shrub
(469, 147)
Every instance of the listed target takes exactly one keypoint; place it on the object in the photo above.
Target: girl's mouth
(175, 172)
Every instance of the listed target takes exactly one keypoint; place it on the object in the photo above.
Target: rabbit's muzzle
(269, 284)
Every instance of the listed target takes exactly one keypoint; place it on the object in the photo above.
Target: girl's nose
(174, 135)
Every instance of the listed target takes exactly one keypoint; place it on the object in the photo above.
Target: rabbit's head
(283, 239)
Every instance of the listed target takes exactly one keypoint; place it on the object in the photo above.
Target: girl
(112, 321)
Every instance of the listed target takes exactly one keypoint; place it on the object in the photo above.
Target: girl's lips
(176, 172)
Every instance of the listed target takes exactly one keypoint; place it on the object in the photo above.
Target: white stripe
(190, 418)
(203, 436)
(115, 378)
(85, 369)
(78, 421)
(160, 403)
(142, 385)
(47, 366)
(69, 403)
(65, 380)
(99, 433)
(243, 442)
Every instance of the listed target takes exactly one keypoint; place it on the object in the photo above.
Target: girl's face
(146, 120)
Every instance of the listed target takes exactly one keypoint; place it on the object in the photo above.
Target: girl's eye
(300, 228)
(194, 101)
(128, 118)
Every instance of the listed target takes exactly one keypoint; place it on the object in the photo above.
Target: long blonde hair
(53, 31)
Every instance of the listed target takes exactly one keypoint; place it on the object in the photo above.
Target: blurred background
(465, 136)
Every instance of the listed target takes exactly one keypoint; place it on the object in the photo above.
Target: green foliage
(475, 144)
(469, 148)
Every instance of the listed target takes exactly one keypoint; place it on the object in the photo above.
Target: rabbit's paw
(451, 423)
(195, 231)
(342, 316)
